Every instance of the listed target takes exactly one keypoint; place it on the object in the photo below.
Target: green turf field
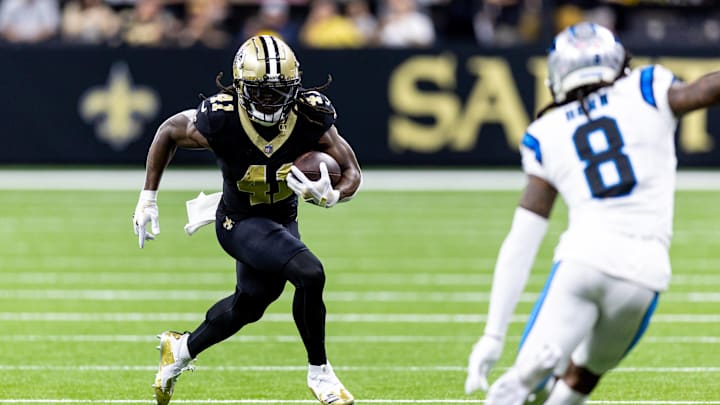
(408, 281)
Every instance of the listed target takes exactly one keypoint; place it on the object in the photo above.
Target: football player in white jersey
(606, 144)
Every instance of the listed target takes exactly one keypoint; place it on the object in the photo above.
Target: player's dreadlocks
(321, 87)
(222, 87)
(231, 90)
(578, 94)
(581, 93)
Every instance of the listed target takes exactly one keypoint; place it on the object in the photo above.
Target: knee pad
(535, 368)
(304, 270)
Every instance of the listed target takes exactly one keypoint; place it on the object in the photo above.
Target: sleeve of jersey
(532, 157)
(316, 108)
(655, 80)
(207, 121)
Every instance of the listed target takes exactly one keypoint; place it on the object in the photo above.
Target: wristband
(148, 195)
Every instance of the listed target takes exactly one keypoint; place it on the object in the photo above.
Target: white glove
(485, 354)
(318, 192)
(146, 211)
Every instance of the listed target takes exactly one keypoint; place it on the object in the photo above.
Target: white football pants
(593, 318)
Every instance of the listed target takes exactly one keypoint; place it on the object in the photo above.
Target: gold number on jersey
(255, 183)
(221, 102)
(283, 190)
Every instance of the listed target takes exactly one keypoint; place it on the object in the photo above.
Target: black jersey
(255, 160)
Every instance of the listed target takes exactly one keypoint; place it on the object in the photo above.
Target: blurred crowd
(350, 23)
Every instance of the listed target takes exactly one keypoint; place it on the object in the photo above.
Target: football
(309, 163)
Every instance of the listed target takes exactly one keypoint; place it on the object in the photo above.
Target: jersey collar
(268, 147)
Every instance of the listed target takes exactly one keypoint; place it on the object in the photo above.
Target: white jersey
(616, 173)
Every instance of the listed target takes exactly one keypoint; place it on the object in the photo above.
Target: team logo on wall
(119, 109)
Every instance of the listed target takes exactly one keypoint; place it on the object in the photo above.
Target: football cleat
(172, 363)
(515, 386)
(507, 390)
(326, 387)
(541, 392)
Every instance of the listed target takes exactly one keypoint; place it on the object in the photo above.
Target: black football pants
(267, 254)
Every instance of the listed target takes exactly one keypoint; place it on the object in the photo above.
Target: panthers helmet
(266, 76)
(581, 55)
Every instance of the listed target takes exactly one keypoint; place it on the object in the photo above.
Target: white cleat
(514, 387)
(541, 393)
(507, 390)
(326, 387)
(174, 359)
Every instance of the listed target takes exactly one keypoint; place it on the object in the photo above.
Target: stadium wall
(458, 106)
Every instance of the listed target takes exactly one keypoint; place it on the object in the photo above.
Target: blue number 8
(613, 154)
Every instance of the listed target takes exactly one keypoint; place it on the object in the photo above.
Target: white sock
(319, 369)
(564, 395)
(184, 352)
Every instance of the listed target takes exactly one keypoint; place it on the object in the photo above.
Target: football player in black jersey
(256, 128)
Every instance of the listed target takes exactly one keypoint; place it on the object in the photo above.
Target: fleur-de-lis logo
(228, 224)
(119, 109)
(315, 99)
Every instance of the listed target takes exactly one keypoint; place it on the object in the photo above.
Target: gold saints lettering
(427, 121)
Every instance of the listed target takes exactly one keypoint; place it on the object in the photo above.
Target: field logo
(119, 109)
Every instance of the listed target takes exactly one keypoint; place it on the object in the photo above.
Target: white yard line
(225, 276)
(384, 339)
(305, 401)
(282, 317)
(330, 296)
(208, 179)
(276, 369)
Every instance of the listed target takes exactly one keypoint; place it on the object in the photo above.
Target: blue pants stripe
(538, 305)
(644, 324)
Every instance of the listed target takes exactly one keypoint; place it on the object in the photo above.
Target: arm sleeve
(512, 269)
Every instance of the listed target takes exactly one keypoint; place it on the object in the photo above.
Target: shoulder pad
(316, 108)
(210, 117)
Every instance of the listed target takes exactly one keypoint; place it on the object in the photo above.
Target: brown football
(309, 163)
